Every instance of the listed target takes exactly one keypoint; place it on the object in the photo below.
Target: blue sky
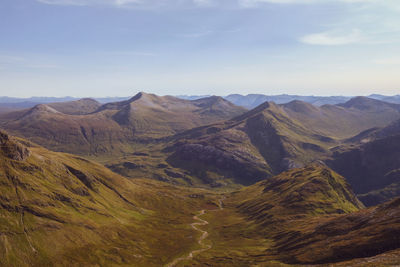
(119, 47)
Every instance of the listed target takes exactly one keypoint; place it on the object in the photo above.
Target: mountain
(301, 192)
(303, 216)
(5, 99)
(344, 120)
(391, 99)
(84, 127)
(253, 100)
(273, 138)
(312, 216)
(372, 163)
(251, 147)
(60, 209)
(366, 233)
(78, 107)
(10, 107)
(192, 97)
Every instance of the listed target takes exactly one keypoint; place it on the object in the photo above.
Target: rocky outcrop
(12, 149)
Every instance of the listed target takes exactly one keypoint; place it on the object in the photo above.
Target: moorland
(166, 181)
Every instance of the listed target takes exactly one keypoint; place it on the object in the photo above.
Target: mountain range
(248, 101)
(165, 181)
(86, 127)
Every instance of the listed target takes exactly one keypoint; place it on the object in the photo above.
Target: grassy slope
(60, 209)
(304, 216)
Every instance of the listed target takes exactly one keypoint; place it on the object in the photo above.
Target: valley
(161, 181)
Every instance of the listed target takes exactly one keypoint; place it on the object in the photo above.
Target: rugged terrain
(370, 162)
(303, 216)
(83, 127)
(273, 138)
(267, 187)
(58, 209)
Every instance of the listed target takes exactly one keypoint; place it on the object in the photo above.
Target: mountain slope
(59, 209)
(113, 127)
(304, 216)
(248, 148)
(371, 164)
(304, 192)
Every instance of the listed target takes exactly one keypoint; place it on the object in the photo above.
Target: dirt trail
(203, 236)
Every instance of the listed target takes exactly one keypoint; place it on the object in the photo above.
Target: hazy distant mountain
(192, 97)
(249, 101)
(253, 100)
(391, 99)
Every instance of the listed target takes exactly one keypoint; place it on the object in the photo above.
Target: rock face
(12, 149)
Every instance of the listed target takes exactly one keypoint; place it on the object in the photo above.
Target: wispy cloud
(131, 53)
(127, 3)
(333, 38)
(197, 34)
(24, 62)
(394, 4)
(387, 61)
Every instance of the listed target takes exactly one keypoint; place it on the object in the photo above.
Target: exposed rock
(12, 149)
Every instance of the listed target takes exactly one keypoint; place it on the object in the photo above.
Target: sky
(99, 48)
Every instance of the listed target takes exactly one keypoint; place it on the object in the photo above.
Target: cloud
(387, 61)
(66, 2)
(393, 4)
(131, 53)
(332, 38)
(127, 3)
(197, 34)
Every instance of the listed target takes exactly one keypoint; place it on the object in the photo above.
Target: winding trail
(204, 235)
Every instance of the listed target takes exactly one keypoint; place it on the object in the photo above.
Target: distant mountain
(248, 101)
(253, 100)
(5, 99)
(76, 107)
(192, 97)
(9, 104)
(391, 99)
(86, 127)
